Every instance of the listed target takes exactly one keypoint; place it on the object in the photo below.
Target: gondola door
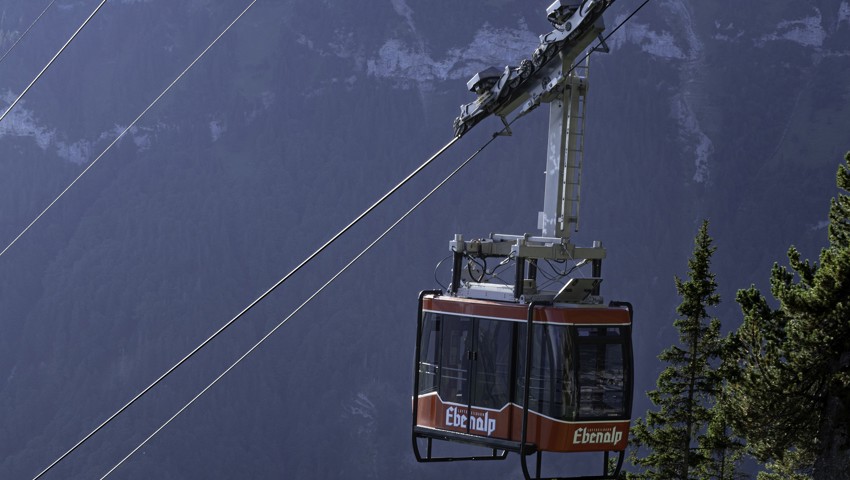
(493, 368)
(456, 369)
(465, 375)
(476, 368)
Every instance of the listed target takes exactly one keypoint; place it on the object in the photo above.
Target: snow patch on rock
(364, 411)
(658, 44)
(361, 406)
(808, 32)
(695, 47)
(8, 37)
(678, 44)
(142, 140)
(403, 9)
(139, 135)
(78, 153)
(820, 225)
(690, 101)
(412, 65)
(342, 44)
(302, 39)
(727, 33)
(844, 12)
(23, 123)
(692, 135)
(11, 374)
(217, 127)
(331, 84)
(267, 98)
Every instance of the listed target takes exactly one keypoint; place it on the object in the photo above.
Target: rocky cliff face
(301, 116)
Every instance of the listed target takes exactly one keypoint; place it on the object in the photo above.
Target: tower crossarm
(501, 92)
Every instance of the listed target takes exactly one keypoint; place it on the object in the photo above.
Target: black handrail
(529, 343)
(415, 397)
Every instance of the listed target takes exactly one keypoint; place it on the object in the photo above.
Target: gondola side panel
(435, 413)
(557, 436)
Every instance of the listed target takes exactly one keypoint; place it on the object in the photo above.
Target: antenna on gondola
(516, 366)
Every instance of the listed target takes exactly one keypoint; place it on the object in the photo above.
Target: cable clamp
(505, 132)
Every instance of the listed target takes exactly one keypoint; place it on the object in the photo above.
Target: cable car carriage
(538, 363)
(482, 379)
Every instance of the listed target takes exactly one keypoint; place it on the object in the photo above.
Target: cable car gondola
(516, 367)
(481, 379)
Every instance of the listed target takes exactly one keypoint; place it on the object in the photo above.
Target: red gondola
(482, 380)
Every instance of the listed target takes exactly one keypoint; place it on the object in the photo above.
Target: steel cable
(310, 298)
(335, 276)
(21, 37)
(62, 49)
(251, 305)
(287, 276)
(121, 135)
(78, 444)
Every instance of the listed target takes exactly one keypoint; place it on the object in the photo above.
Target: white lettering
(584, 435)
(455, 419)
(478, 423)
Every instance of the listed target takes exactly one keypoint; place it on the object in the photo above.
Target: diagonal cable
(37, 77)
(602, 42)
(287, 276)
(596, 48)
(55, 462)
(251, 305)
(121, 135)
(310, 298)
(21, 37)
(341, 271)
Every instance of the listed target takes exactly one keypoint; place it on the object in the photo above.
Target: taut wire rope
(59, 52)
(21, 37)
(298, 309)
(296, 269)
(250, 306)
(78, 444)
(130, 126)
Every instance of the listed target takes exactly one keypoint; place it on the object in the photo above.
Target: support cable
(601, 44)
(132, 124)
(592, 50)
(310, 298)
(78, 444)
(37, 77)
(250, 306)
(292, 272)
(21, 37)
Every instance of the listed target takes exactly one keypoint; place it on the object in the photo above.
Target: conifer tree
(723, 448)
(790, 394)
(687, 387)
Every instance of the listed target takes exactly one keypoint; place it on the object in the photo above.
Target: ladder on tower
(575, 152)
(560, 215)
